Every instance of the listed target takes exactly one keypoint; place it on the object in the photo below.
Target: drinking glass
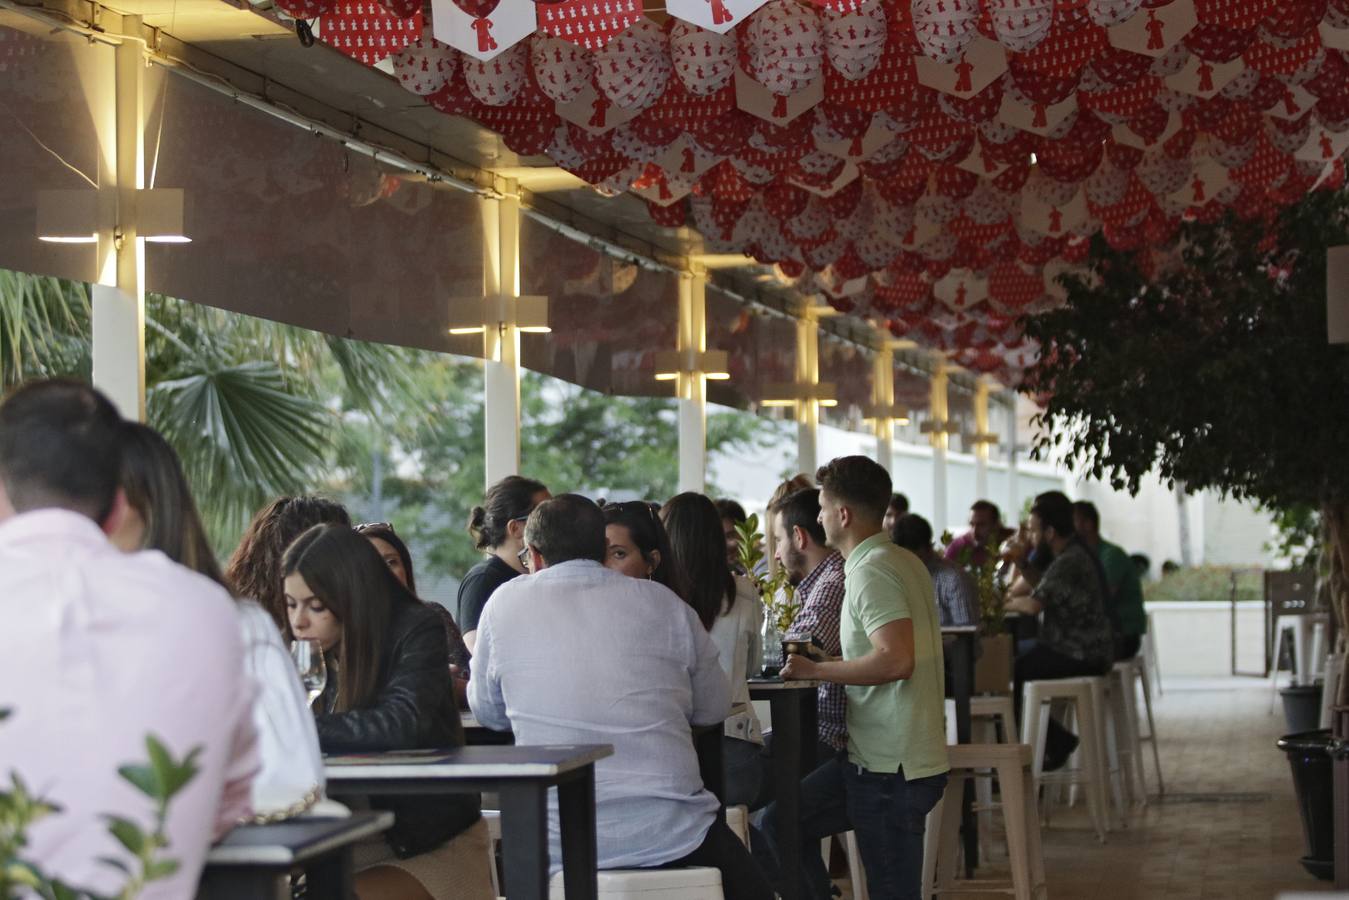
(308, 656)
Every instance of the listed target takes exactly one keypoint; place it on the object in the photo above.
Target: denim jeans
(889, 814)
(824, 812)
(743, 772)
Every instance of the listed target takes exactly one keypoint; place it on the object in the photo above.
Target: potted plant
(775, 591)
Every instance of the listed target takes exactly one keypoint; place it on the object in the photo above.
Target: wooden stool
(1011, 764)
(1090, 772)
(857, 876)
(694, 883)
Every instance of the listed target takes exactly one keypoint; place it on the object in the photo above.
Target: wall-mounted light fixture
(823, 394)
(529, 314)
(711, 364)
(73, 217)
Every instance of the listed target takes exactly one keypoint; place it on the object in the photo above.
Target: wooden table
(521, 776)
(248, 862)
(794, 740)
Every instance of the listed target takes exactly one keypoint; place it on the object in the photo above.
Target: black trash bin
(1309, 758)
(1301, 707)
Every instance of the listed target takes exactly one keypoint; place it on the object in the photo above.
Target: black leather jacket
(414, 709)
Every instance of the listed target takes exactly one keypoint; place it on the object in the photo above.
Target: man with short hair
(581, 654)
(1124, 589)
(957, 596)
(816, 571)
(892, 666)
(899, 505)
(985, 529)
(101, 648)
(1075, 639)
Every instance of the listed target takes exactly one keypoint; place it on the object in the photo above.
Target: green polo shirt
(1126, 591)
(900, 723)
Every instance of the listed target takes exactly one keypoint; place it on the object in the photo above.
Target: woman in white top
(730, 609)
(162, 516)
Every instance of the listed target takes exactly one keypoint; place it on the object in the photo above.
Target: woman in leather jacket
(388, 689)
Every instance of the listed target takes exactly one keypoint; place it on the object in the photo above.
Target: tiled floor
(1228, 826)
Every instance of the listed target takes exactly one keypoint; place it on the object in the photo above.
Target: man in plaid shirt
(817, 573)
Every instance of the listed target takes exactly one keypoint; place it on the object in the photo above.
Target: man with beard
(1075, 637)
(816, 571)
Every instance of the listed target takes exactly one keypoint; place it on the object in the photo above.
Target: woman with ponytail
(498, 529)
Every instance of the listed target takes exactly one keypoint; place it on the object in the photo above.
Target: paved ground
(1228, 826)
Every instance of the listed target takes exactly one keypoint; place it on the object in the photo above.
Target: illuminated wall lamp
(898, 415)
(824, 394)
(935, 426)
(711, 364)
(475, 316)
(72, 217)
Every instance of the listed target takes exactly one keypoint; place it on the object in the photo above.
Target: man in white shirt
(581, 654)
(101, 648)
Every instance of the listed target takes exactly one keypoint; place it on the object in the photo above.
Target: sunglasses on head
(375, 526)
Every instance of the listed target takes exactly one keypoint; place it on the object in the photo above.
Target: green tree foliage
(1215, 372)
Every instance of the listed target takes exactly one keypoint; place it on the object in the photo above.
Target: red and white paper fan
(425, 65)
(589, 24)
(944, 27)
(1021, 25)
(704, 60)
(632, 69)
(497, 81)
(785, 47)
(855, 41)
(561, 69)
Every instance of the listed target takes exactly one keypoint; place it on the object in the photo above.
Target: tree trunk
(1335, 515)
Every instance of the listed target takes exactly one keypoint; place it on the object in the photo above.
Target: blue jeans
(888, 815)
(823, 812)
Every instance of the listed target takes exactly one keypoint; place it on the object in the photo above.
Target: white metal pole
(807, 408)
(938, 438)
(1013, 489)
(501, 342)
(982, 447)
(119, 294)
(883, 395)
(692, 385)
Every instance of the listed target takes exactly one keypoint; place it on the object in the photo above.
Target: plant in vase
(775, 591)
(985, 575)
(160, 780)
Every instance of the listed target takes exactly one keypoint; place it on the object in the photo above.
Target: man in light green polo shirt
(892, 666)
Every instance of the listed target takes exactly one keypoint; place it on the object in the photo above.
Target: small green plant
(776, 592)
(992, 609)
(1213, 584)
(161, 780)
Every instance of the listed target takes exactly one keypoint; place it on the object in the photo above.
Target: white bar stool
(737, 819)
(694, 883)
(1133, 672)
(857, 876)
(993, 717)
(1080, 692)
(1012, 765)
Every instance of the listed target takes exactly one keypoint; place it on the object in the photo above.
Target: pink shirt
(97, 649)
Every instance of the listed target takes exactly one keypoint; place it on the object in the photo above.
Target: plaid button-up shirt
(821, 594)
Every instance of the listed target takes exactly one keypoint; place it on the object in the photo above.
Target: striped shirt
(821, 595)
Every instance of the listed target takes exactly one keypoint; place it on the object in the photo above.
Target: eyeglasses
(523, 556)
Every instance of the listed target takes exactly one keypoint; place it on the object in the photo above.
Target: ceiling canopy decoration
(927, 164)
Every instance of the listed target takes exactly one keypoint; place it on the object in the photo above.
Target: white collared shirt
(98, 649)
(579, 654)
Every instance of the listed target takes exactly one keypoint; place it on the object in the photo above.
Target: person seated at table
(498, 528)
(581, 654)
(161, 515)
(101, 648)
(899, 506)
(730, 609)
(1075, 637)
(638, 546)
(398, 558)
(254, 570)
(957, 595)
(386, 690)
(816, 571)
(985, 534)
(732, 515)
(1123, 587)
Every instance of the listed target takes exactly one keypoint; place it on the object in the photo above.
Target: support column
(501, 341)
(938, 439)
(692, 386)
(883, 396)
(981, 446)
(807, 408)
(1013, 489)
(119, 294)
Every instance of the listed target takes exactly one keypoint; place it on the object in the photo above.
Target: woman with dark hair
(498, 529)
(255, 567)
(162, 516)
(730, 609)
(396, 556)
(386, 650)
(638, 545)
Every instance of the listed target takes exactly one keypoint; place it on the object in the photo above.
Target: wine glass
(308, 656)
